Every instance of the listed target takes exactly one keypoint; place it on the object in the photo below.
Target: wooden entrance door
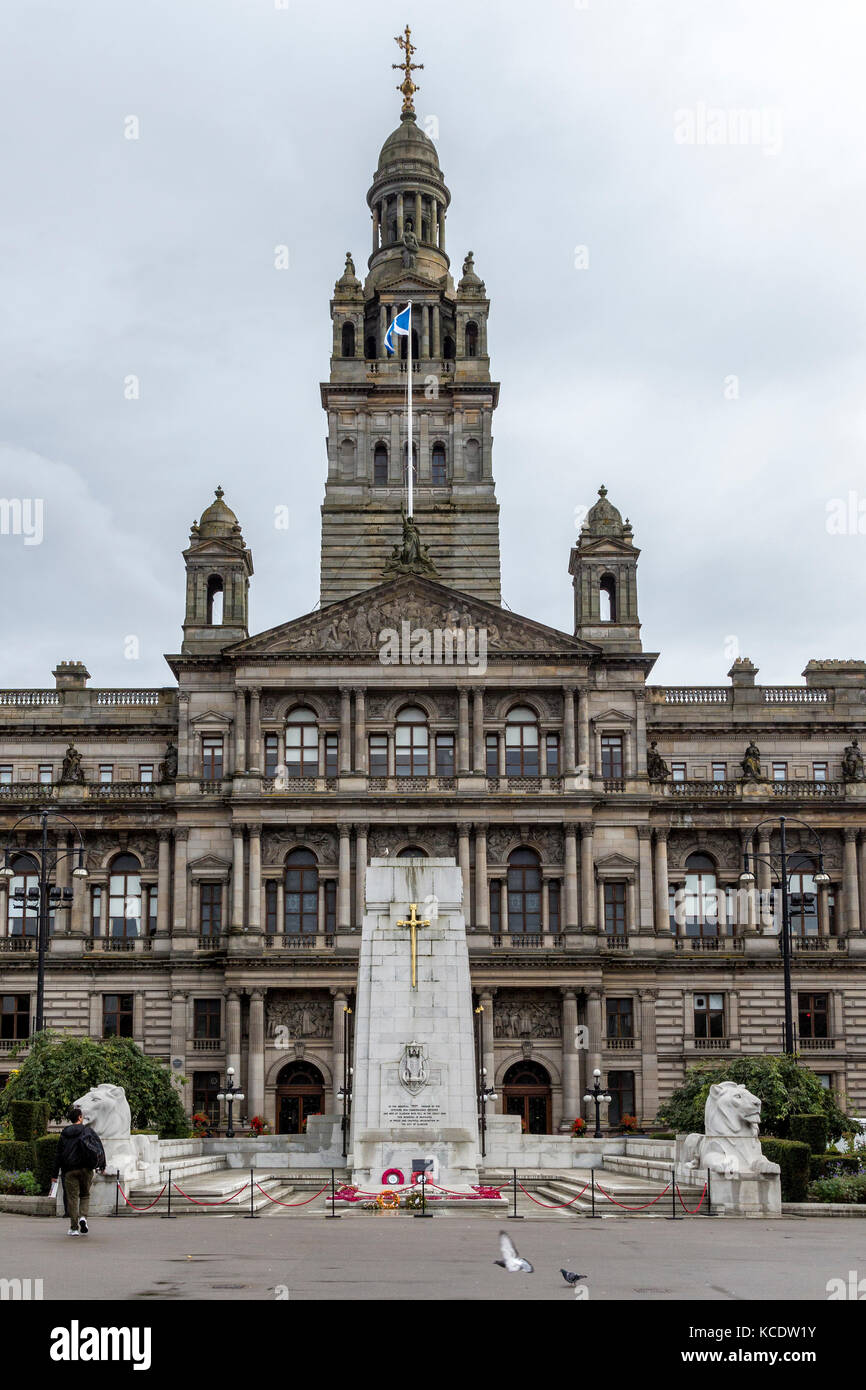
(526, 1092)
(300, 1093)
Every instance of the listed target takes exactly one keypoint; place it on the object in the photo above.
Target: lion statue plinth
(730, 1145)
(132, 1156)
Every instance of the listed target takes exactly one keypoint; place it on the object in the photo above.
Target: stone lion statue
(730, 1144)
(106, 1109)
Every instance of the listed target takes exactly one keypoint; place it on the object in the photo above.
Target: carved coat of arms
(413, 1071)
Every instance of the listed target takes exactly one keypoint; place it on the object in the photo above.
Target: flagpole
(410, 450)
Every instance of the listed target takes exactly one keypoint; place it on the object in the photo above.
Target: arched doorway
(526, 1092)
(300, 1093)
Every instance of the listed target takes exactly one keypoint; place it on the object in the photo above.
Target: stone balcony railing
(17, 943)
(87, 791)
(119, 945)
(8, 1045)
(299, 941)
(699, 789)
(526, 941)
(709, 943)
(205, 1045)
(728, 694)
(819, 1044)
(619, 1044)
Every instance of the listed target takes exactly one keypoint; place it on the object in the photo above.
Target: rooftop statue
(411, 556)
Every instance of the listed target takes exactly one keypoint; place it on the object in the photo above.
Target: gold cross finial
(407, 86)
(413, 923)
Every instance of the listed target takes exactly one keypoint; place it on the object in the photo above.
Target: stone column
(437, 331)
(571, 911)
(850, 890)
(399, 216)
(644, 922)
(237, 922)
(478, 729)
(360, 873)
(344, 882)
(441, 207)
(571, 1090)
(568, 749)
(746, 897)
(649, 1056)
(320, 907)
(861, 878)
(594, 1024)
(463, 731)
(463, 861)
(255, 907)
(255, 762)
(425, 330)
(584, 754)
(383, 329)
(640, 733)
(240, 760)
(375, 228)
(763, 881)
(256, 1063)
(163, 884)
(180, 847)
(503, 904)
(345, 729)
(178, 1024)
(545, 906)
(360, 730)
(500, 748)
(337, 1059)
(183, 757)
(233, 1034)
(418, 217)
(482, 890)
(662, 907)
(587, 879)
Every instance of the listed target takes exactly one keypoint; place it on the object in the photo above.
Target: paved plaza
(365, 1256)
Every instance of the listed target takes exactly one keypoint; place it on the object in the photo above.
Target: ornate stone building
(599, 821)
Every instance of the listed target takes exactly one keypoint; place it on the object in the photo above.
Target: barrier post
(252, 1214)
(593, 1215)
(673, 1215)
(514, 1216)
(333, 1215)
(167, 1215)
(117, 1194)
(709, 1196)
(423, 1212)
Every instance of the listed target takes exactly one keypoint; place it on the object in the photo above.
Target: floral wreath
(388, 1201)
(392, 1177)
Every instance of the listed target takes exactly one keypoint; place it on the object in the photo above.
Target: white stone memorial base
(454, 1154)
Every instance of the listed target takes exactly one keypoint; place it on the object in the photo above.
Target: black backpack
(90, 1151)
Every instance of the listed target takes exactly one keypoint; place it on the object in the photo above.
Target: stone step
(225, 1194)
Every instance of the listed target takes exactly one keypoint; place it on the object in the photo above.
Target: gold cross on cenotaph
(407, 86)
(413, 923)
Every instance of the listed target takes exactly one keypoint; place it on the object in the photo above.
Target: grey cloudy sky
(560, 125)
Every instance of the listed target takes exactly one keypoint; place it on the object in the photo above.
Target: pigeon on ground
(572, 1278)
(511, 1261)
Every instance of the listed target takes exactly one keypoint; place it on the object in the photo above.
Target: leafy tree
(60, 1068)
(783, 1087)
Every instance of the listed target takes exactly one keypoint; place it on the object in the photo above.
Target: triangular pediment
(210, 863)
(615, 863)
(355, 624)
(210, 716)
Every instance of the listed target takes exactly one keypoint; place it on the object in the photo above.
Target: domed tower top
(218, 569)
(603, 566)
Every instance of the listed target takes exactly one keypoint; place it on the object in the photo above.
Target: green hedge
(809, 1129)
(29, 1119)
(46, 1154)
(793, 1159)
(17, 1157)
(834, 1165)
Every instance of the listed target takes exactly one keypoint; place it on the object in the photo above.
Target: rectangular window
(813, 1013)
(211, 909)
(552, 748)
(15, 1016)
(611, 755)
(332, 751)
(819, 772)
(780, 772)
(205, 1089)
(95, 911)
(491, 748)
(117, 1015)
(709, 1015)
(145, 772)
(554, 899)
(270, 907)
(444, 755)
(378, 755)
(272, 754)
(5, 774)
(331, 905)
(620, 1018)
(614, 909)
(678, 772)
(207, 1017)
(212, 757)
(106, 773)
(46, 774)
(152, 906)
(620, 1087)
(720, 772)
(495, 906)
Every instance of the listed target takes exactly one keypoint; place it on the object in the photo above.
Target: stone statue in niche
(656, 767)
(410, 555)
(168, 767)
(71, 773)
(751, 764)
(852, 762)
(409, 244)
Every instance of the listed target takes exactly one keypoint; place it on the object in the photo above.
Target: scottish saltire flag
(400, 327)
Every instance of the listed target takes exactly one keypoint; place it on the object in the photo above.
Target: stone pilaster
(662, 910)
(587, 880)
(644, 921)
(179, 925)
(345, 761)
(571, 1088)
(256, 1056)
(233, 1033)
(344, 883)
(482, 892)
(237, 921)
(361, 832)
(571, 909)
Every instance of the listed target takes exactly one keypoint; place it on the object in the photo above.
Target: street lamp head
(747, 878)
(596, 1071)
(220, 1096)
(587, 1097)
(7, 871)
(238, 1095)
(822, 878)
(79, 872)
(230, 1071)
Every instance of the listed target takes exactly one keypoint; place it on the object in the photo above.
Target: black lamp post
(486, 1094)
(230, 1095)
(599, 1095)
(747, 879)
(345, 1092)
(46, 896)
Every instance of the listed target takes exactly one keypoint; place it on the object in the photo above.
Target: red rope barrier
(692, 1211)
(293, 1204)
(599, 1188)
(552, 1205)
(210, 1204)
(132, 1204)
(469, 1196)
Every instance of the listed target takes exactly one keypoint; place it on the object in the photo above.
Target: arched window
(526, 1092)
(215, 600)
(302, 743)
(521, 743)
(348, 340)
(412, 852)
(414, 464)
(524, 892)
(472, 459)
(347, 458)
(702, 904)
(412, 743)
(607, 599)
(124, 896)
(380, 465)
(439, 466)
(472, 340)
(448, 349)
(802, 896)
(23, 896)
(301, 893)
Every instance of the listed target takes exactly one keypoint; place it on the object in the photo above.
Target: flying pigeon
(571, 1278)
(511, 1261)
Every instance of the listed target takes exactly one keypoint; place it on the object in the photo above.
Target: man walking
(79, 1153)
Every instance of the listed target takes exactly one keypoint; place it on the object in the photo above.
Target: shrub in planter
(809, 1129)
(20, 1184)
(17, 1157)
(29, 1119)
(46, 1155)
(793, 1160)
